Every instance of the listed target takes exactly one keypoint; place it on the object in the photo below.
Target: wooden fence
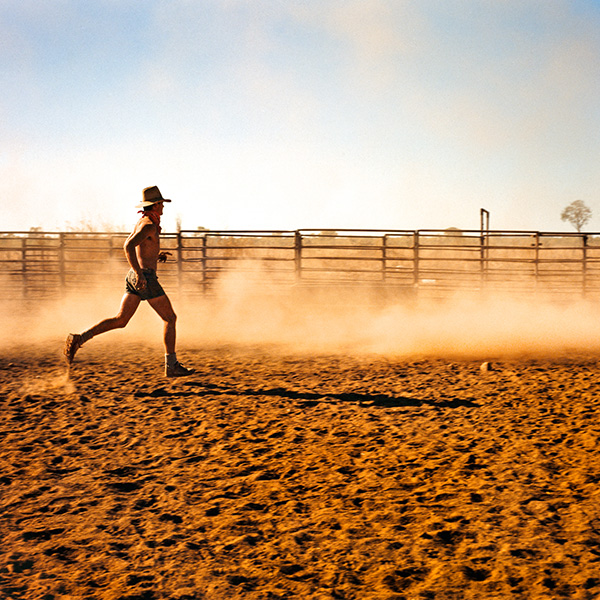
(426, 262)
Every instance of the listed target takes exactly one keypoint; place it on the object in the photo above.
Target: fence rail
(424, 262)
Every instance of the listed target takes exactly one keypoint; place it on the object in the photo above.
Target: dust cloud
(245, 308)
(355, 321)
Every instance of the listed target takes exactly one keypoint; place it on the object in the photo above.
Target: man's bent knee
(121, 321)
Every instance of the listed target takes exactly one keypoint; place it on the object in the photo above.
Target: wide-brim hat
(151, 195)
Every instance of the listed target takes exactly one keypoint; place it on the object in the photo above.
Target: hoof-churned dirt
(270, 475)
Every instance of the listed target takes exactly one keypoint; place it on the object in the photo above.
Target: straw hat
(152, 195)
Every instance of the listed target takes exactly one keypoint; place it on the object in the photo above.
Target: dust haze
(246, 309)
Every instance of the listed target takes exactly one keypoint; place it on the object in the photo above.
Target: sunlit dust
(246, 310)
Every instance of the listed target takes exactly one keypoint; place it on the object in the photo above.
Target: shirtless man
(142, 249)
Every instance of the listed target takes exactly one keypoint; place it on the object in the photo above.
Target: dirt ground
(270, 474)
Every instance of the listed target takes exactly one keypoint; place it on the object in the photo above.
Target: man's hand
(140, 282)
(162, 256)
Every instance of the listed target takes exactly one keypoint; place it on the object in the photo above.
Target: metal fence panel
(425, 262)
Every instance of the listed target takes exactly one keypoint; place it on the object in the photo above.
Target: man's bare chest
(150, 245)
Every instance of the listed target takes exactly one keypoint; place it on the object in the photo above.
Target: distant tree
(453, 231)
(578, 214)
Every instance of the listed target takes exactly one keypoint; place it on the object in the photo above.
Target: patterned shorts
(153, 289)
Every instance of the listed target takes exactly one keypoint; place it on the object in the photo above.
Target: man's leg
(162, 305)
(129, 304)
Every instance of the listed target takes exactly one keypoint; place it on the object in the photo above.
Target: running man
(142, 249)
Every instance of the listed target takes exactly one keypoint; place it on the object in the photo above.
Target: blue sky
(285, 114)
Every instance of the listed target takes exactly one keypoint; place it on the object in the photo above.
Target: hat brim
(151, 202)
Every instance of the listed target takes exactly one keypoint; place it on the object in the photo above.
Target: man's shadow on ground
(310, 398)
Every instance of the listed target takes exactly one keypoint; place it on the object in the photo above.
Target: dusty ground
(271, 475)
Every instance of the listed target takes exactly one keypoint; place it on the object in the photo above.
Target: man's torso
(148, 249)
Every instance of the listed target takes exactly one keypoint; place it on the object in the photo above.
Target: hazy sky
(285, 114)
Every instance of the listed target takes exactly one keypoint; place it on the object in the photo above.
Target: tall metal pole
(485, 220)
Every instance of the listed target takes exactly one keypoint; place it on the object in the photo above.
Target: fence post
(61, 262)
(485, 231)
(416, 274)
(483, 265)
(536, 260)
(179, 253)
(384, 258)
(24, 266)
(298, 255)
(584, 265)
(203, 262)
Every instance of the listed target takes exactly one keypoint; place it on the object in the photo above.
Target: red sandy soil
(271, 475)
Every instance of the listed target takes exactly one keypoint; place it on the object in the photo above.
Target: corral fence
(432, 263)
